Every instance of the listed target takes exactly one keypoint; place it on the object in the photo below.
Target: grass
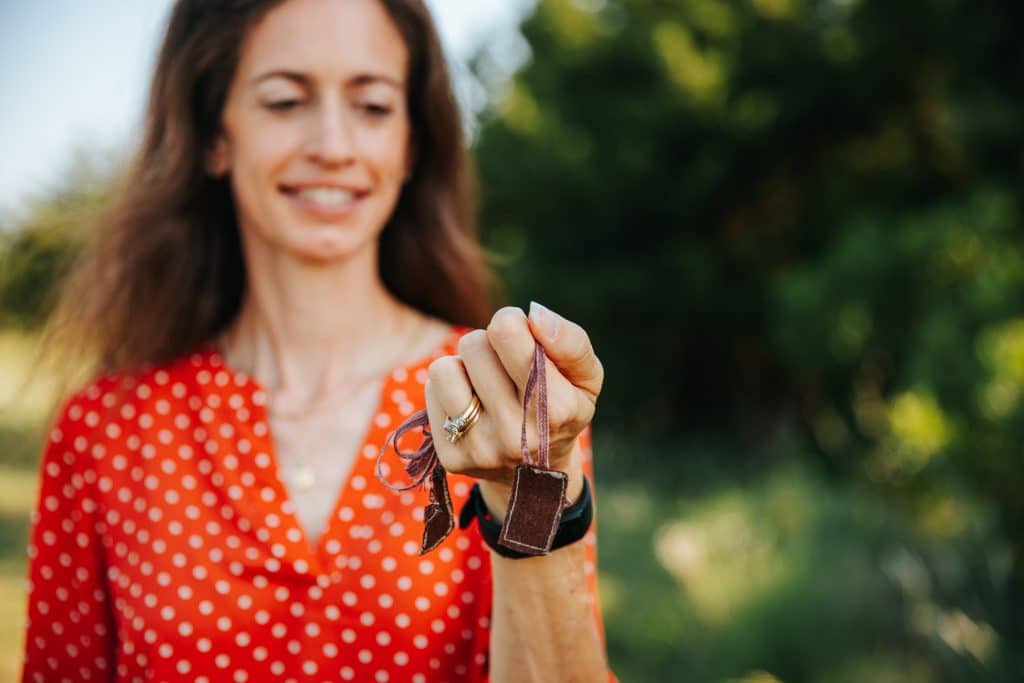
(710, 569)
(17, 498)
(12, 618)
(780, 575)
(20, 410)
(21, 414)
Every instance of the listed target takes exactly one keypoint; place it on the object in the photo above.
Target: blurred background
(793, 231)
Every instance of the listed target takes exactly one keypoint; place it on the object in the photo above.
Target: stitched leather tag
(534, 510)
(438, 517)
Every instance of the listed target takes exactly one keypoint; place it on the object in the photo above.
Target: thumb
(569, 348)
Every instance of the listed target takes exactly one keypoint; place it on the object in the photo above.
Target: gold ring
(458, 426)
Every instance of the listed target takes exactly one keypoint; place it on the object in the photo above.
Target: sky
(75, 75)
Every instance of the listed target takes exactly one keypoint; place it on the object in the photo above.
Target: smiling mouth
(323, 203)
(324, 196)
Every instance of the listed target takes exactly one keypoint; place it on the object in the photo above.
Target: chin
(328, 244)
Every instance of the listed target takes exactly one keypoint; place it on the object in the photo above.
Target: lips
(324, 202)
(327, 195)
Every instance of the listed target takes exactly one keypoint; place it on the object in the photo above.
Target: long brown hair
(161, 271)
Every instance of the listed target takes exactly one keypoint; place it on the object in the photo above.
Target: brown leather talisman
(538, 492)
(438, 516)
(423, 467)
(534, 510)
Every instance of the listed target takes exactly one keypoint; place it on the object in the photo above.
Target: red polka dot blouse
(165, 547)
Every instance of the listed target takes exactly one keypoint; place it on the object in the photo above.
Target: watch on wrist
(573, 526)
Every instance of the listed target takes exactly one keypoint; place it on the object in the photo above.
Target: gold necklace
(303, 475)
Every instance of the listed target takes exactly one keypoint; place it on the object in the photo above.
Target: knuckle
(440, 367)
(506, 321)
(582, 351)
(560, 413)
(488, 459)
(472, 341)
(478, 452)
(509, 435)
(451, 460)
(598, 373)
(433, 372)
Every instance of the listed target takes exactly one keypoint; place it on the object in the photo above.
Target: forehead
(329, 39)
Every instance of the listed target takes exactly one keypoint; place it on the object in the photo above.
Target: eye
(377, 109)
(282, 105)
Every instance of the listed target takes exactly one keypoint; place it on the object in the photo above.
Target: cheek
(258, 161)
(268, 152)
(387, 149)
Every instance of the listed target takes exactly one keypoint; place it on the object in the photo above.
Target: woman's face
(316, 129)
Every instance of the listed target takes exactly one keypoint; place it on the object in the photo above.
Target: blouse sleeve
(590, 541)
(69, 635)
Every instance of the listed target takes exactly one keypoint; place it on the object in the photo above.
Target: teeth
(327, 195)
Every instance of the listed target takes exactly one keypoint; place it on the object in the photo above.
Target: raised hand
(494, 364)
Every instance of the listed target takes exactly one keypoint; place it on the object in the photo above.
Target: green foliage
(789, 212)
(37, 247)
(670, 172)
(788, 576)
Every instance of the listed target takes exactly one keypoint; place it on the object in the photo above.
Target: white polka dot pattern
(164, 546)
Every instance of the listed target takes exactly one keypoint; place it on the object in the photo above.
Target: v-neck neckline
(316, 553)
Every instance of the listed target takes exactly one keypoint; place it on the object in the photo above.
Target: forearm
(542, 626)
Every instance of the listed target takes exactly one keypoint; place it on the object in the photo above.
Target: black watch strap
(573, 526)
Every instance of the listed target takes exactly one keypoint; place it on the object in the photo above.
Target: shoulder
(441, 339)
(432, 337)
(457, 333)
(99, 410)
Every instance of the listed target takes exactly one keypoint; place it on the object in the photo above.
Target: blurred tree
(774, 212)
(41, 239)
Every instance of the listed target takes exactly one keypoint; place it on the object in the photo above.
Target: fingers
(448, 393)
(449, 387)
(510, 337)
(495, 365)
(513, 341)
(488, 376)
(568, 346)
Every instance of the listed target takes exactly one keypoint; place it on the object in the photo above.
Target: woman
(289, 271)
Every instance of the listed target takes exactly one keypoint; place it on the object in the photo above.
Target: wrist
(573, 525)
(497, 494)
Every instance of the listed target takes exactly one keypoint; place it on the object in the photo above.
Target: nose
(333, 140)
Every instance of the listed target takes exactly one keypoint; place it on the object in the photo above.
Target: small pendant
(303, 478)
(438, 516)
(534, 510)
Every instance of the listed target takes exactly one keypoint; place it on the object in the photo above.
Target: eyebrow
(304, 79)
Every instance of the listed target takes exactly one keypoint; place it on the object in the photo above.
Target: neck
(305, 328)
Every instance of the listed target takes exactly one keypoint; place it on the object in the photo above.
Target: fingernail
(548, 321)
